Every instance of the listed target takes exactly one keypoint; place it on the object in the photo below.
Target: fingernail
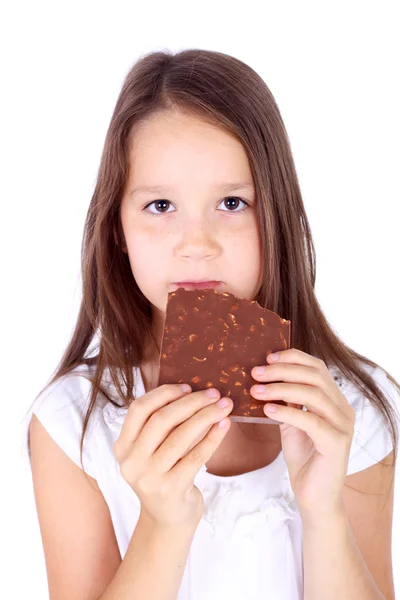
(259, 389)
(259, 370)
(212, 393)
(273, 357)
(185, 387)
(223, 403)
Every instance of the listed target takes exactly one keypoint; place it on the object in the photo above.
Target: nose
(198, 243)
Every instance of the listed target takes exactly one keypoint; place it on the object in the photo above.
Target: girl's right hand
(166, 437)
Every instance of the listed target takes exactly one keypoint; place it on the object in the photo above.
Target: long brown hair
(114, 313)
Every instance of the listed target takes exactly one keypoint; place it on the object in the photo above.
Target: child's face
(196, 234)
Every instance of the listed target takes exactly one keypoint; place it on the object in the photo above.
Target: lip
(201, 285)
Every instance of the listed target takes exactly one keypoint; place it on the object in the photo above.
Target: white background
(333, 69)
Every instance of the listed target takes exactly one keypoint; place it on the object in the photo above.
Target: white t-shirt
(248, 543)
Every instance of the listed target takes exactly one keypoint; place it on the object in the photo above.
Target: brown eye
(233, 202)
(159, 204)
(162, 205)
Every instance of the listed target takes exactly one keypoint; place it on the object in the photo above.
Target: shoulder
(61, 408)
(372, 437)
(68, 398)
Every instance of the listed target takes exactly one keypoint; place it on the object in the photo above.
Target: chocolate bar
(214, 339)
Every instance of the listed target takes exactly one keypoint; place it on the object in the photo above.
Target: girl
(152, 492)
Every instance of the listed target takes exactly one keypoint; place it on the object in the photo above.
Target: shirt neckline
(270, 470)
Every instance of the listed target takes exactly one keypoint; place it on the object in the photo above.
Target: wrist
(324, 517)
(166, 528)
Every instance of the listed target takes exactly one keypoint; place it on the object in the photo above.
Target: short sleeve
(371, 441)
(61, 409)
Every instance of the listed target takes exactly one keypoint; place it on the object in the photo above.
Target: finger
(167, 419)
(324, 436)
(297, 357)
(141, 409)
(182, 438)
(187, 467)
(297, 374)
(313, 398)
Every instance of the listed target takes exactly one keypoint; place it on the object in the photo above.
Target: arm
(342, 557)
(153, 565)
(349, 555)
(83, 561)
(333, 564)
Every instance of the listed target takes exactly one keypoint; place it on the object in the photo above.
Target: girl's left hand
(315, 443)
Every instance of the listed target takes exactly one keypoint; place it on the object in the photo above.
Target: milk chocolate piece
(214, 339)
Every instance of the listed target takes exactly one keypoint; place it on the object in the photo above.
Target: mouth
(200, 285)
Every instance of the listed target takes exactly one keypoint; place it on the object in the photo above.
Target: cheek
(244, 243)
(142, 241)
(144, 250)
(149, 246)
(244, 252)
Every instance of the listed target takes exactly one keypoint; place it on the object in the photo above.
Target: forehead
(172, 145)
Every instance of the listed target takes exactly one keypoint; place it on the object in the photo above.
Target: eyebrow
(227, 187)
